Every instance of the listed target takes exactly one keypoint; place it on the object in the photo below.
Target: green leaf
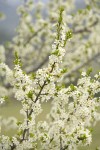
(82, 137)
(72, 87)
(30, 94)
(89, 71)
(32, 75)
(31, 135)
(17, 61)
(64, 70)
(88, 7)
(19, 123)
(68, 35)
(80, 11)
(56, 52)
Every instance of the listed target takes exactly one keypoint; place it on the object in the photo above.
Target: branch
(82, 65)
(76, 32)
(8, 86)
(26, 131)
(35, 34)
(40, 65)
(86, 29)
(61, 148)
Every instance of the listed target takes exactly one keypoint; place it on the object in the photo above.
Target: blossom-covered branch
(74, 108)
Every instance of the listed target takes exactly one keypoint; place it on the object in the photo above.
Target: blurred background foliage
(7, 26)
(7, 31)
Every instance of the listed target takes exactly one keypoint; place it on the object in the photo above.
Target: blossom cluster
(74, 108)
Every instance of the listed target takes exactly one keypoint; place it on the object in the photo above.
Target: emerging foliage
(74, 108)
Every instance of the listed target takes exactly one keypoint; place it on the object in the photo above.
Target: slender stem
(38, 95)
(30, 38)
(26, 131)
(40, 65)
(81, 65)
(61, 148)
(86, 29)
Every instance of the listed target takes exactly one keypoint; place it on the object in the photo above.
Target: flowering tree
(74, 108)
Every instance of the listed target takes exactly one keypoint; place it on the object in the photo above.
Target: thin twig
(86, 29)
(82, 65)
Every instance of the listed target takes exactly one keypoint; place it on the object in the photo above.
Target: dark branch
(86, 29)
(40, 65)
(35, 34)
(82, 65)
